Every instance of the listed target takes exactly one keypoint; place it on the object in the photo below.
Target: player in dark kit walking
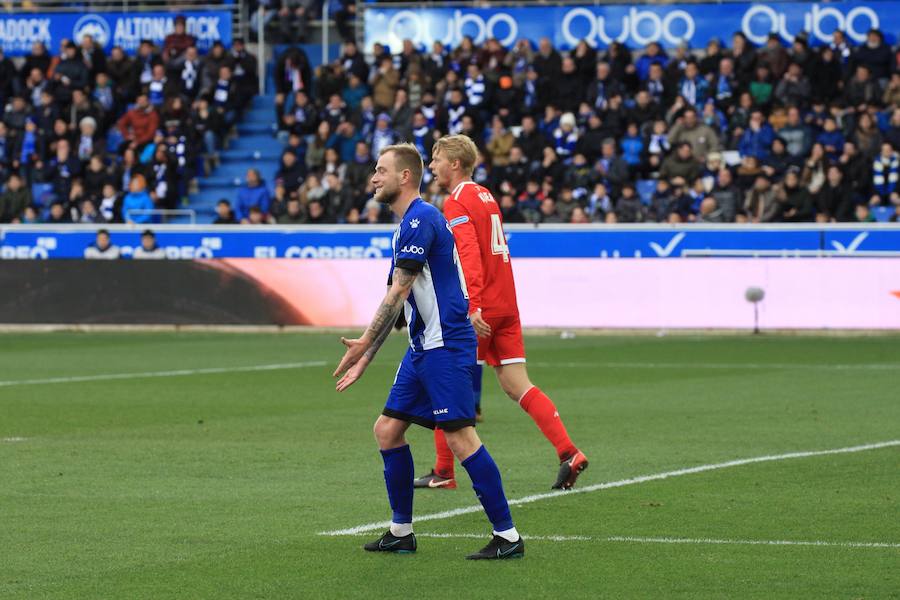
(433, 386)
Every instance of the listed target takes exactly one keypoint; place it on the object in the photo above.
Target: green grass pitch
(216, 484)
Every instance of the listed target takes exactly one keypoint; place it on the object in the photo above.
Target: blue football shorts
(433, 388)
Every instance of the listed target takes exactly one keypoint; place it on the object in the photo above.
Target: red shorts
(505, 345)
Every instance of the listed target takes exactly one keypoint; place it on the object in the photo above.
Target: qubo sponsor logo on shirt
(413, 250)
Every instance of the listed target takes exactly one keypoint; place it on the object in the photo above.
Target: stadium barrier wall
(801, 293)
(525, 241)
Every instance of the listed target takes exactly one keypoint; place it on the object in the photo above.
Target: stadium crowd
(727, 133)
(724, 134)
(90, 138)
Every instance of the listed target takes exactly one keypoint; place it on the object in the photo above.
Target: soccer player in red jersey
(474, 217)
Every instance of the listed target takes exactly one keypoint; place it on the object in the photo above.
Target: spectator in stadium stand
(89, 213)
(148, 250)
(885, 177)
(794, 201)
(177, 42)
(794, 88)
(92, 55)
(612, 166)
(382, 137)
(702, 138)
(344, 140)
(255, 217)
(892, 135)
(13, 200)
(384, 82)
(682, 163)
(757, 138)
(137, 199)
(693, 87)
(224, 214)
(293, 214)
(628, 207)
(876, 55)
(63, 169)
(102, 248)
(109, 205)
(294, 17)
(253, 193)
(857, 170)
(8, 78)
(831, 138)
(357, 176)
(71, 73)
(243, 66)
(773, 56)
(835, 199)
(139, 124)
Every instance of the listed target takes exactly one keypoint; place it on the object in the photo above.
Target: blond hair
(458, 147)
(406, 156)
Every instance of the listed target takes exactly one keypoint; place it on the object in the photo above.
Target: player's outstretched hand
(355, 349)
(352, 374)
(481, 327)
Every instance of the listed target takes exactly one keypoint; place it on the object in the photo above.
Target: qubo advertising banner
(803, 293)
(633, 25)
(19, 31)
(360, 242)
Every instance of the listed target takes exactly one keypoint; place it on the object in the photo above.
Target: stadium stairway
(255, 147)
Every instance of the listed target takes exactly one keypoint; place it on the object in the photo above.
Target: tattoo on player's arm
(390, 309)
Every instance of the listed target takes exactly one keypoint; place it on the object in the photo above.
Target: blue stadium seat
(882, 214)
(42, 194)
(645, 189)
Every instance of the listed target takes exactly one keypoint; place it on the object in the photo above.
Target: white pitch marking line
(667, 540)
(176, 373)
(13, 440)
(727, 366)
(622, 483)
(661, 540)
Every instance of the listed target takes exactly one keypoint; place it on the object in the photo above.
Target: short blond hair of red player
(458, 147)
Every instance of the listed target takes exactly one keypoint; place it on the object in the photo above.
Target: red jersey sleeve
(466, 237)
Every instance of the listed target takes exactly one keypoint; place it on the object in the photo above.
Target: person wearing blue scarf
(885, 175)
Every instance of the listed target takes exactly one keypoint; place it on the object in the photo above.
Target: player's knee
(462, 442)
(515, 385)
(386, 434)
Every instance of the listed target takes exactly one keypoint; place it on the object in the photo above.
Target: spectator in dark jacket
(861, 90)
(875, 54)
(835, 199)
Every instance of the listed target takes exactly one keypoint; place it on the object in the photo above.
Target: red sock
(443, 464)
(543, 411)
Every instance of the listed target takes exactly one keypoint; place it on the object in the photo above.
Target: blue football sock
(398, 477)
(487, 485)
(476, 384)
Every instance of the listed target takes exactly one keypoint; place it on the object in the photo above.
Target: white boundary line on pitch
(176, 373)
(662, 540)
(726, 366)
(621, 483)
